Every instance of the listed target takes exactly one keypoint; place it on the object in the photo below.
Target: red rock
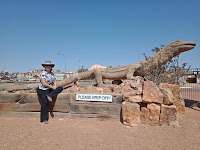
(168, 115)
(132, 98)
(130, 113)
(144, 115)
(150, 115)
(154, 113)
(134, 86)
(168, 97)
(178, 100)
(117, 89)
(151, 93)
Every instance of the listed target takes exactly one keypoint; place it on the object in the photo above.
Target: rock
(168, 97)
(117, 89)
(151, 93)
(178, 100)
(154, 113)
(129, 97)
(137, 85)
(99, 90)
(130, 113)
(133, 86)
(144, 115)
(150, 115)
(168, 115)
(107, 90)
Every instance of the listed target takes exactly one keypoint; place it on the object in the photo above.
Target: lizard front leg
(131, 70)
(98, 77)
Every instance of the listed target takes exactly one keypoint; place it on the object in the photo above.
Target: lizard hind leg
(98, 77)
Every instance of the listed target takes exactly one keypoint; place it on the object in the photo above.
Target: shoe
(49, 98)
(45, 122)
(52, 115)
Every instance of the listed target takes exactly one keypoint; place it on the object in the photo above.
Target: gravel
(90, 134)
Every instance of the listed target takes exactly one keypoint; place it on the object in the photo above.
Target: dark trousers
(42, 94)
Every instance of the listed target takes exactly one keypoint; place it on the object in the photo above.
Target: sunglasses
(48, 65)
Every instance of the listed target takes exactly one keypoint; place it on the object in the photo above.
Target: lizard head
(182, 46)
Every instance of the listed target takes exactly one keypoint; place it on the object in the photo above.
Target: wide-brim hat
(48, 63)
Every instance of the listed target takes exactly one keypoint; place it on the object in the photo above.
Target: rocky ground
(80, 134)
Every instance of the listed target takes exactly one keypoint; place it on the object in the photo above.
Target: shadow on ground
(194, 104)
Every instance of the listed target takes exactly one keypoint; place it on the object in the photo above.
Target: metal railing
(190, 90)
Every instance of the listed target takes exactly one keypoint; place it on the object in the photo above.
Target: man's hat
(48, 63)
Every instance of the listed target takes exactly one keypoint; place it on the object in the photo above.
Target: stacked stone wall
(155, 105)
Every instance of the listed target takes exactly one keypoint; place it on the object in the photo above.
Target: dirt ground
(18, 133)
(89, 134)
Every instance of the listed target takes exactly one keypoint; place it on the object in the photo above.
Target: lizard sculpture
(129, 71)
(138, 69)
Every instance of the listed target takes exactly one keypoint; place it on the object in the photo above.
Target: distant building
(35, 73)
(35, 70)
(192, 75)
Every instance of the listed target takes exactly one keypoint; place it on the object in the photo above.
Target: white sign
(94, 97)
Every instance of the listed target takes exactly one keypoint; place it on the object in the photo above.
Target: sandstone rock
(150, 115)
(130, 113)
(90, 89)
(144, 115)
(151, 93)
(106, 90)
(99, 90)
(133, 86)
(178, 100)
(168, 97)
(175, 89)
(137, 85)
(168, 115)
(132, 98)
(117, 89)
(154, 113)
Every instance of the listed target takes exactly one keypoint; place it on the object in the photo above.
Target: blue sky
(105, 32)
